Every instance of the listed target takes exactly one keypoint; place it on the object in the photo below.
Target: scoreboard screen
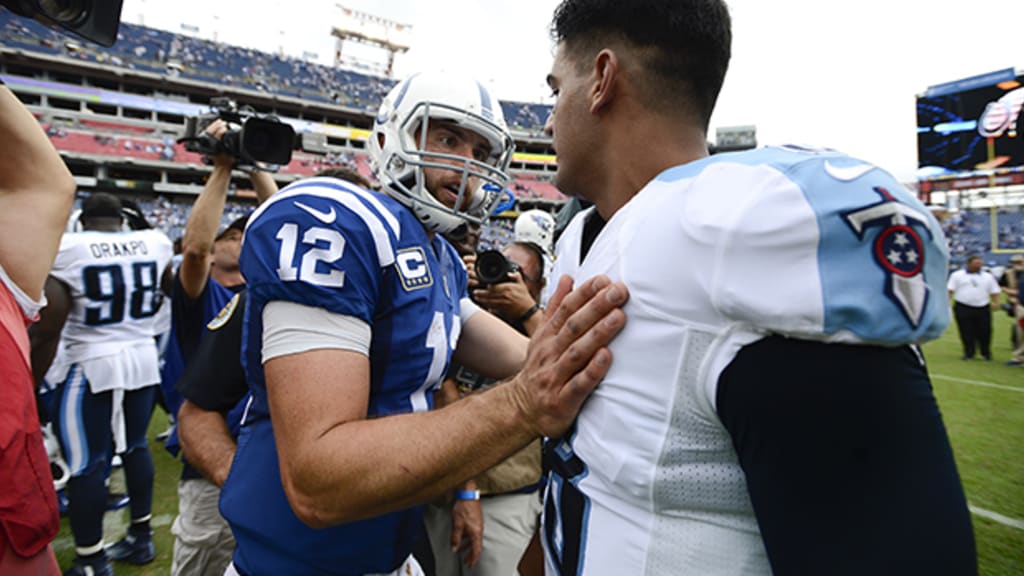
(971, 125)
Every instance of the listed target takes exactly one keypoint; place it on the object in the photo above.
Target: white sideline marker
(996, 517)
(977, 383)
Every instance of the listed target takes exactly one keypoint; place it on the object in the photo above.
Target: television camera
(253, 139)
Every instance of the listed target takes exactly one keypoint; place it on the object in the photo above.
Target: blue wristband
(467, 494)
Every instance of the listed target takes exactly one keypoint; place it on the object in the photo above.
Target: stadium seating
(98, 137)
(178, 55)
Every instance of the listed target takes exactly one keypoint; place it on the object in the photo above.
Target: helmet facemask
(404, 156)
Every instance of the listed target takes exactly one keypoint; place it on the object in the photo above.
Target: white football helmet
(398, 159)
(538, 227)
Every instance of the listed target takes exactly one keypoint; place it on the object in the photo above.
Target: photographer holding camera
(207, 279)
(507, 283)
(254, 141)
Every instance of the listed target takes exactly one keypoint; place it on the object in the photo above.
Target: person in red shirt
(36, 192)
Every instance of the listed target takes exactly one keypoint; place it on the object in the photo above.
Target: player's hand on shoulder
(568, 355)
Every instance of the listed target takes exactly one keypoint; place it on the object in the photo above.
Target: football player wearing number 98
(357, 305)
(104, 290)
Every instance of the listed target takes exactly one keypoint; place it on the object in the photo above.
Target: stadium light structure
(93, 20)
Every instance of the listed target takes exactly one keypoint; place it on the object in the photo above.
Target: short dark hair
(684, 44)
(236, 224)
(346, 174)
(101, 205)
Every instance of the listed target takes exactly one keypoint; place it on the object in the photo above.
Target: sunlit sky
(842, 75)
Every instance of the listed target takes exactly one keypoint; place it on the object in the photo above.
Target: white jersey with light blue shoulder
(114, 282)
(717, 254)
(327, 244)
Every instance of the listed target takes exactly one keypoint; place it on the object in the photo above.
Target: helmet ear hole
(380, 139)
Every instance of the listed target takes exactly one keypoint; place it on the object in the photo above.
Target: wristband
(467, 494)
(533, 310)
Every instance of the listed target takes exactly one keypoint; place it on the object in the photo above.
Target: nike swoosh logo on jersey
(847, 173)
(325, 217)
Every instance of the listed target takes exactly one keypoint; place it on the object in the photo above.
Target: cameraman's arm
(203, 221)
(36, 192)
(264, 185)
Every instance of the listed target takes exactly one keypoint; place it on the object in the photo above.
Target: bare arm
(36, 192)
(264, 185)
(491, 347)
(45, 334)
(206, 441)
(337, 466)
(201, 229)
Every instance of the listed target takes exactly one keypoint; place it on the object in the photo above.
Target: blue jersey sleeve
(319, 245)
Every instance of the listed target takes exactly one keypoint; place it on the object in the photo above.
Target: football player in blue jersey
(357, 305)
(768, 411)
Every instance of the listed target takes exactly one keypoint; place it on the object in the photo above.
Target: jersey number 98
(105, 287)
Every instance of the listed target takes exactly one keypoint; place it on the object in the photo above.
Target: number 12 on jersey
(288, 234)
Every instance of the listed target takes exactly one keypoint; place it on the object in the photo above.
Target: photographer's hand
(218, 128)
(508, 300)
(470, 261)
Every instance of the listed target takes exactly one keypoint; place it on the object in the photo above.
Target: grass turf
(985, 424)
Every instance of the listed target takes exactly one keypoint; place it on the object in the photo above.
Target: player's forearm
(365, 468)
(491, 347)
(206, 442)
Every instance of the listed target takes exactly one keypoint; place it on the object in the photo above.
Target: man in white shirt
(974, 293)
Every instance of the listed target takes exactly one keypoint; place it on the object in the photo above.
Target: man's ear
(606, 75)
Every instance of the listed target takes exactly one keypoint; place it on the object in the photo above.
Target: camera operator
(508, 493)
(515, 298)
(207, 279)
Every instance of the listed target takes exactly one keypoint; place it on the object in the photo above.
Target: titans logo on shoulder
(898, 249)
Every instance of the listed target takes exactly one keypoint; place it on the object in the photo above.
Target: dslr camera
(251, 137)
(492, 267)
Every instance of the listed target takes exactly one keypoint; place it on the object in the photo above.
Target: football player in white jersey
(356, 304)
(104, 291)
(768, 410)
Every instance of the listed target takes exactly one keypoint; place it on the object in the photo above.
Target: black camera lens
(493, 268)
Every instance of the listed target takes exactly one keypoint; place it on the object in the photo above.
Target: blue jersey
(329, 244)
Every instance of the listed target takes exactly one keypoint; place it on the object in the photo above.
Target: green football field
(982, 403)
